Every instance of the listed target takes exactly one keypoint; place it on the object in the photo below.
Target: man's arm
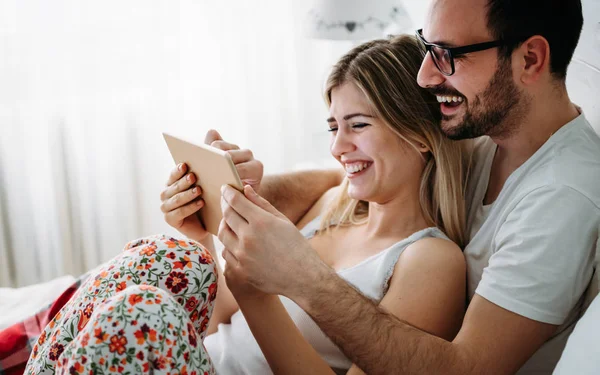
(293, 194)
(492, 340)
(522, 276)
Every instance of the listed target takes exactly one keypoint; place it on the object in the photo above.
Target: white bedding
(19, 303)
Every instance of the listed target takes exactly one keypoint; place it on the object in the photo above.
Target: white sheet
(19, 303)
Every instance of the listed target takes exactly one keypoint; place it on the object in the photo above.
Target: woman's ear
(423, 148)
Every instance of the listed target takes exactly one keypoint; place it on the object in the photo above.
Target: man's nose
(429, 75)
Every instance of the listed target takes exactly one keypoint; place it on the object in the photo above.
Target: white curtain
(87, 87)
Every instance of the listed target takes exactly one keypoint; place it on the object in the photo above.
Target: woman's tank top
(234, 350)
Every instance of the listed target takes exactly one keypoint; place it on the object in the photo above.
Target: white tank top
(234, 350)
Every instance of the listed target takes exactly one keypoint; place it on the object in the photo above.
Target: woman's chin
(358, 194)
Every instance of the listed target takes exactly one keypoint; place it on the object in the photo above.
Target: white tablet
(213, 168)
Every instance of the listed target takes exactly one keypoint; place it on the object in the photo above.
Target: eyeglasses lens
(442, 59)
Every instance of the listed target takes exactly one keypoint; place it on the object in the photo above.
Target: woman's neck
(399, 217)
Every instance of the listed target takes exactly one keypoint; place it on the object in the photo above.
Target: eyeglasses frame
(452, 51)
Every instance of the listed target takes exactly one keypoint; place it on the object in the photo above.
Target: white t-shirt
(533, 252)
(582, 353)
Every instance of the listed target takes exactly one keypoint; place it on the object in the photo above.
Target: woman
(385, 230)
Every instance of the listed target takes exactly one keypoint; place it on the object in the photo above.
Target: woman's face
(379, 164)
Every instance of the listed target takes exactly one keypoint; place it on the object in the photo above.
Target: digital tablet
(213, 168)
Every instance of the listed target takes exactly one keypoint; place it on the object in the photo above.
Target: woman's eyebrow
(348, 117)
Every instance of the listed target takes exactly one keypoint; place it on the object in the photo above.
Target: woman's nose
(341, 142)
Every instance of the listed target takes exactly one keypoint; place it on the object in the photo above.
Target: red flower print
(186, 356)
(203, 325)
(77, 368)
(171, 255)
(42, 338)
(121, 286)
(100, 336)
(148, 250)
(212, 292)
(205, 258)
(160, 363)
(55, 351)
(135, 298)
(191, 304)
(183, 262)
(195, 315)
(204, 312)
(176, 282)
(88, 310)
(140, 355)
(144, 333)
(146, 287)
(85, 339)
(117, 344)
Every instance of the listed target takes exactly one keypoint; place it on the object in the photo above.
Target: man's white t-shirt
(582, 353)
(532, 251)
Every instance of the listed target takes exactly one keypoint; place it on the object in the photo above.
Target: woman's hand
(181, 199)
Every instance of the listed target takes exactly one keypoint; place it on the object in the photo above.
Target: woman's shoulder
(433, 253)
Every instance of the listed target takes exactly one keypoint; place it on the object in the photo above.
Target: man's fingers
(250, 171)
(229, 258)
(232, 218)
(240, 156)
(176, 173)
(239, 202)
(260, 201)
(225, 146)
(175, 217)
(226, 235)
(211, 136)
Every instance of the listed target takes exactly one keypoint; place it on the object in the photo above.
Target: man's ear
(533, 59)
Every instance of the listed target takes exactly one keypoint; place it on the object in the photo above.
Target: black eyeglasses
(443, 57)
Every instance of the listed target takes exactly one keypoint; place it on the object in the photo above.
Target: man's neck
(544, 118)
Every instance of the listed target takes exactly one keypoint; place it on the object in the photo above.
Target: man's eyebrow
(348, 117)
(442, 43)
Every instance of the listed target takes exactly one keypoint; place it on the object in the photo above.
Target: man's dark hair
(559, 21)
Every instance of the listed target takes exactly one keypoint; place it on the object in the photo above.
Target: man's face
(480, 98)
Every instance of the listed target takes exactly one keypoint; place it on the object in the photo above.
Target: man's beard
(496, 112)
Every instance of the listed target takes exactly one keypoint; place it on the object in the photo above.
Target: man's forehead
(456, 22)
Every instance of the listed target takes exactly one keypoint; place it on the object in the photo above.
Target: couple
(377, 278)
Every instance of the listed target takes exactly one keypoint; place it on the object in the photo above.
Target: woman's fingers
(176, 217)
(180, 199)
(178, 186)
(176, 173)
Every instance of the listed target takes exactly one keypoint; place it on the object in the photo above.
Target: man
(534, 203)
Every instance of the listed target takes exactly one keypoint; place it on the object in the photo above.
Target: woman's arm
(284, 347)
(225, 303)
(427, 291)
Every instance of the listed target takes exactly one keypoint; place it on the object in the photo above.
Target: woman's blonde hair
(385, 71)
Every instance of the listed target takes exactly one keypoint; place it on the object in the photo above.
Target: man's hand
(262, 247)
(181, 199)
(249, 169)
